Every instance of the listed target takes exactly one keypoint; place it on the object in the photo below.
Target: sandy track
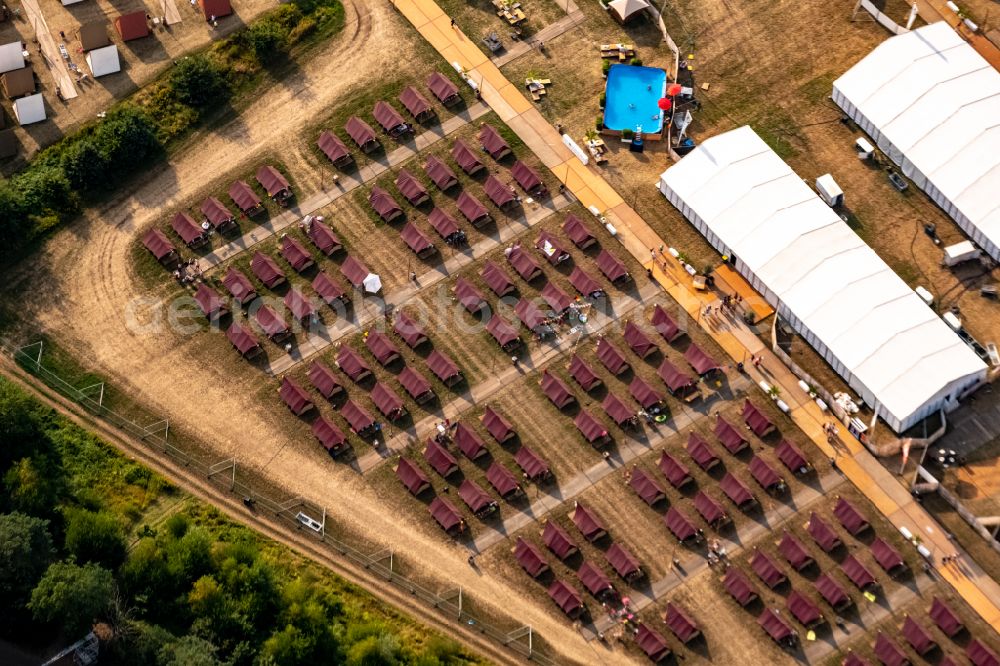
(78, 287)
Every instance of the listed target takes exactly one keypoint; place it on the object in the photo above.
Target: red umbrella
(674, 89)
(664, 104)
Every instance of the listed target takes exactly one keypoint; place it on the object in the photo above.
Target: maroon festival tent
(324, 380)
(496, 279)
(210, 302)
(794, 551)
(330, 291)
(585, 285)
(503, 333)
(824, 535)
(756, 419)
(652, 644)
(299, 305)
(596, 582)
(472, 209)
(590, 525)
(523, 263)
(334, 148)
(416, 104)
(381, 347)
(409, 329)
(384, 205)
(566, 598)
(665, 325)
(582, 374)
(468, 441)
(803, 610)
(699, 360)
(323, 237)
(623, 562)
(503, 481)
(556, 390)
(466, 158)
(530, 558)
(638, 341)
(739, 586)
(493, 144)
(532, 465)
(766, 569)
(680, 623)
(729, 436)
(674, 470)
(444, 368)
(440, 173)
(239, 286)
(362, 134)
(832, 592)
(416, 385)
(577, 232)
(710, 510)
(295, 397)
(412, 477)
(611, 357)
(266, 270)
(443, 89)
(558, 541)
(850, 517)
(411, 188)
(329, 435)
(592, 429)
(387, 401)
(417, 241)
(295, 254)
(471, 298)
(498, 426)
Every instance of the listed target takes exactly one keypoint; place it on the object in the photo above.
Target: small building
(132, 26)
(18, 82)
(103, 61)
(11, 57)
(215, 9)
(94, 35)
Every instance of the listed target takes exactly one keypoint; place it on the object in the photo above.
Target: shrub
(635, 61)
(95, 537)
(627, 133)
(199, 83)
(599, 123)
(85, 166)
(602, 100)
(605, 67)
(72, 596)
(267, 38)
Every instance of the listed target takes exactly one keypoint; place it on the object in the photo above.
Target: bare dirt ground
(141, 59)
(85, 277)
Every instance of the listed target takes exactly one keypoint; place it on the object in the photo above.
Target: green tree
(199, 83)
(21, 420)
(25, 552)
(86, 166)
(127, 139)
(381, 650)
(267, 39)
(31, 486)
(72, 596)
(188, 651)
(95, 537)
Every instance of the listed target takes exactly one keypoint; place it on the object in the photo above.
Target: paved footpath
(861, 468)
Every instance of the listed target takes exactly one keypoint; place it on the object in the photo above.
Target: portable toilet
(864, 148)
(829, 191)
(925, 295)
(952, 320)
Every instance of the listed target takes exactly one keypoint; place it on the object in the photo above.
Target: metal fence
(224, 475)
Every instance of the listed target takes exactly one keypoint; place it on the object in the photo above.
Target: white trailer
(960, 253)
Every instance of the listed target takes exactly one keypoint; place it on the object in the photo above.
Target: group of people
(187, 272)
(717, 554)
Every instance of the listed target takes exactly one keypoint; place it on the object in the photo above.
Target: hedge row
(84, 167)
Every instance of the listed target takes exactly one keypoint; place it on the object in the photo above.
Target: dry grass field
(90, 289)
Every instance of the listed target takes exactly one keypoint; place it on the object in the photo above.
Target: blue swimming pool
(632, 96)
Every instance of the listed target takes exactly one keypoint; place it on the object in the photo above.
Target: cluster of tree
(193, 589)
(84, 167)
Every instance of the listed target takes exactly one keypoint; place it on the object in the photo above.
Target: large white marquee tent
(932, 104)
(822, 278)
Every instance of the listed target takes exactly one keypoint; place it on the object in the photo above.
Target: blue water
(632, 96)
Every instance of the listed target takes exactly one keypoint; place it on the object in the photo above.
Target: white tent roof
(821, 273)
(30, 109)
(11, 57)
(104, 60)
(937, 101)
(625, 8)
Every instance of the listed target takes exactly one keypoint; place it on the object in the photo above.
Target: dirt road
(78, 287)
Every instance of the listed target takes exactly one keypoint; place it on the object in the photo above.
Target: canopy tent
(493, 144)
(245, 198)
(220, 217)
(469, 442)
(644, 394)
(766, 569)
(710, 509)
(496, 279)
(443, 89)
(295, 254)
(329, 435)
(803, 610)
(764, 474)
(611, 357)
(585, 285)
(645, 487)
(792, 457)
(775, 626)
(700, 360)
(299, 305)
(469, 296)
(583, 374)
(239, 286)
(11, 57)
(274, 325)
(730, 437)
(551, 249)
(577, 231)
(794, 551)
(533, 318)
(595, 581)
(945, 618)
(267, 270)
(931, 102)
(821, 277)
(411, 188)
(824, 535)
(590, 525)
(440, 173)
(389, 118)
(133, 25)
(556, 390)
(532, 464)
(918, 637)
(329, 291)
(444, 368)
(334, 148)
(756, 419)
(30, 109)
(665, 325)
(466, 158)
(324, 380)
(528, 179)
(674, 470)
(351, 363)
(638, 341)
(503, 481)
(273, 182)
(566, 598)
(498, 426)
(243, 340)
(739, 586)
(360, 421)
(416, 385)
(558, 541)
(384, 205)
(412, 477)
(619, 412)
(625, 10)
(530, 558)
(980, 655)
(523, 263)
(417, 241)
(409, 329)
(355, 272)
(416, 104)
(623, 562)
(832, 592)
(387, 401)
(439, 459)
(888, 651)
(295, 397)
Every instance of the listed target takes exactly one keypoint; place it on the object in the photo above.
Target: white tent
(626, 8)
(104, 60)
(11, 57)
(30, 109)
(822, 278)
(932, 104)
